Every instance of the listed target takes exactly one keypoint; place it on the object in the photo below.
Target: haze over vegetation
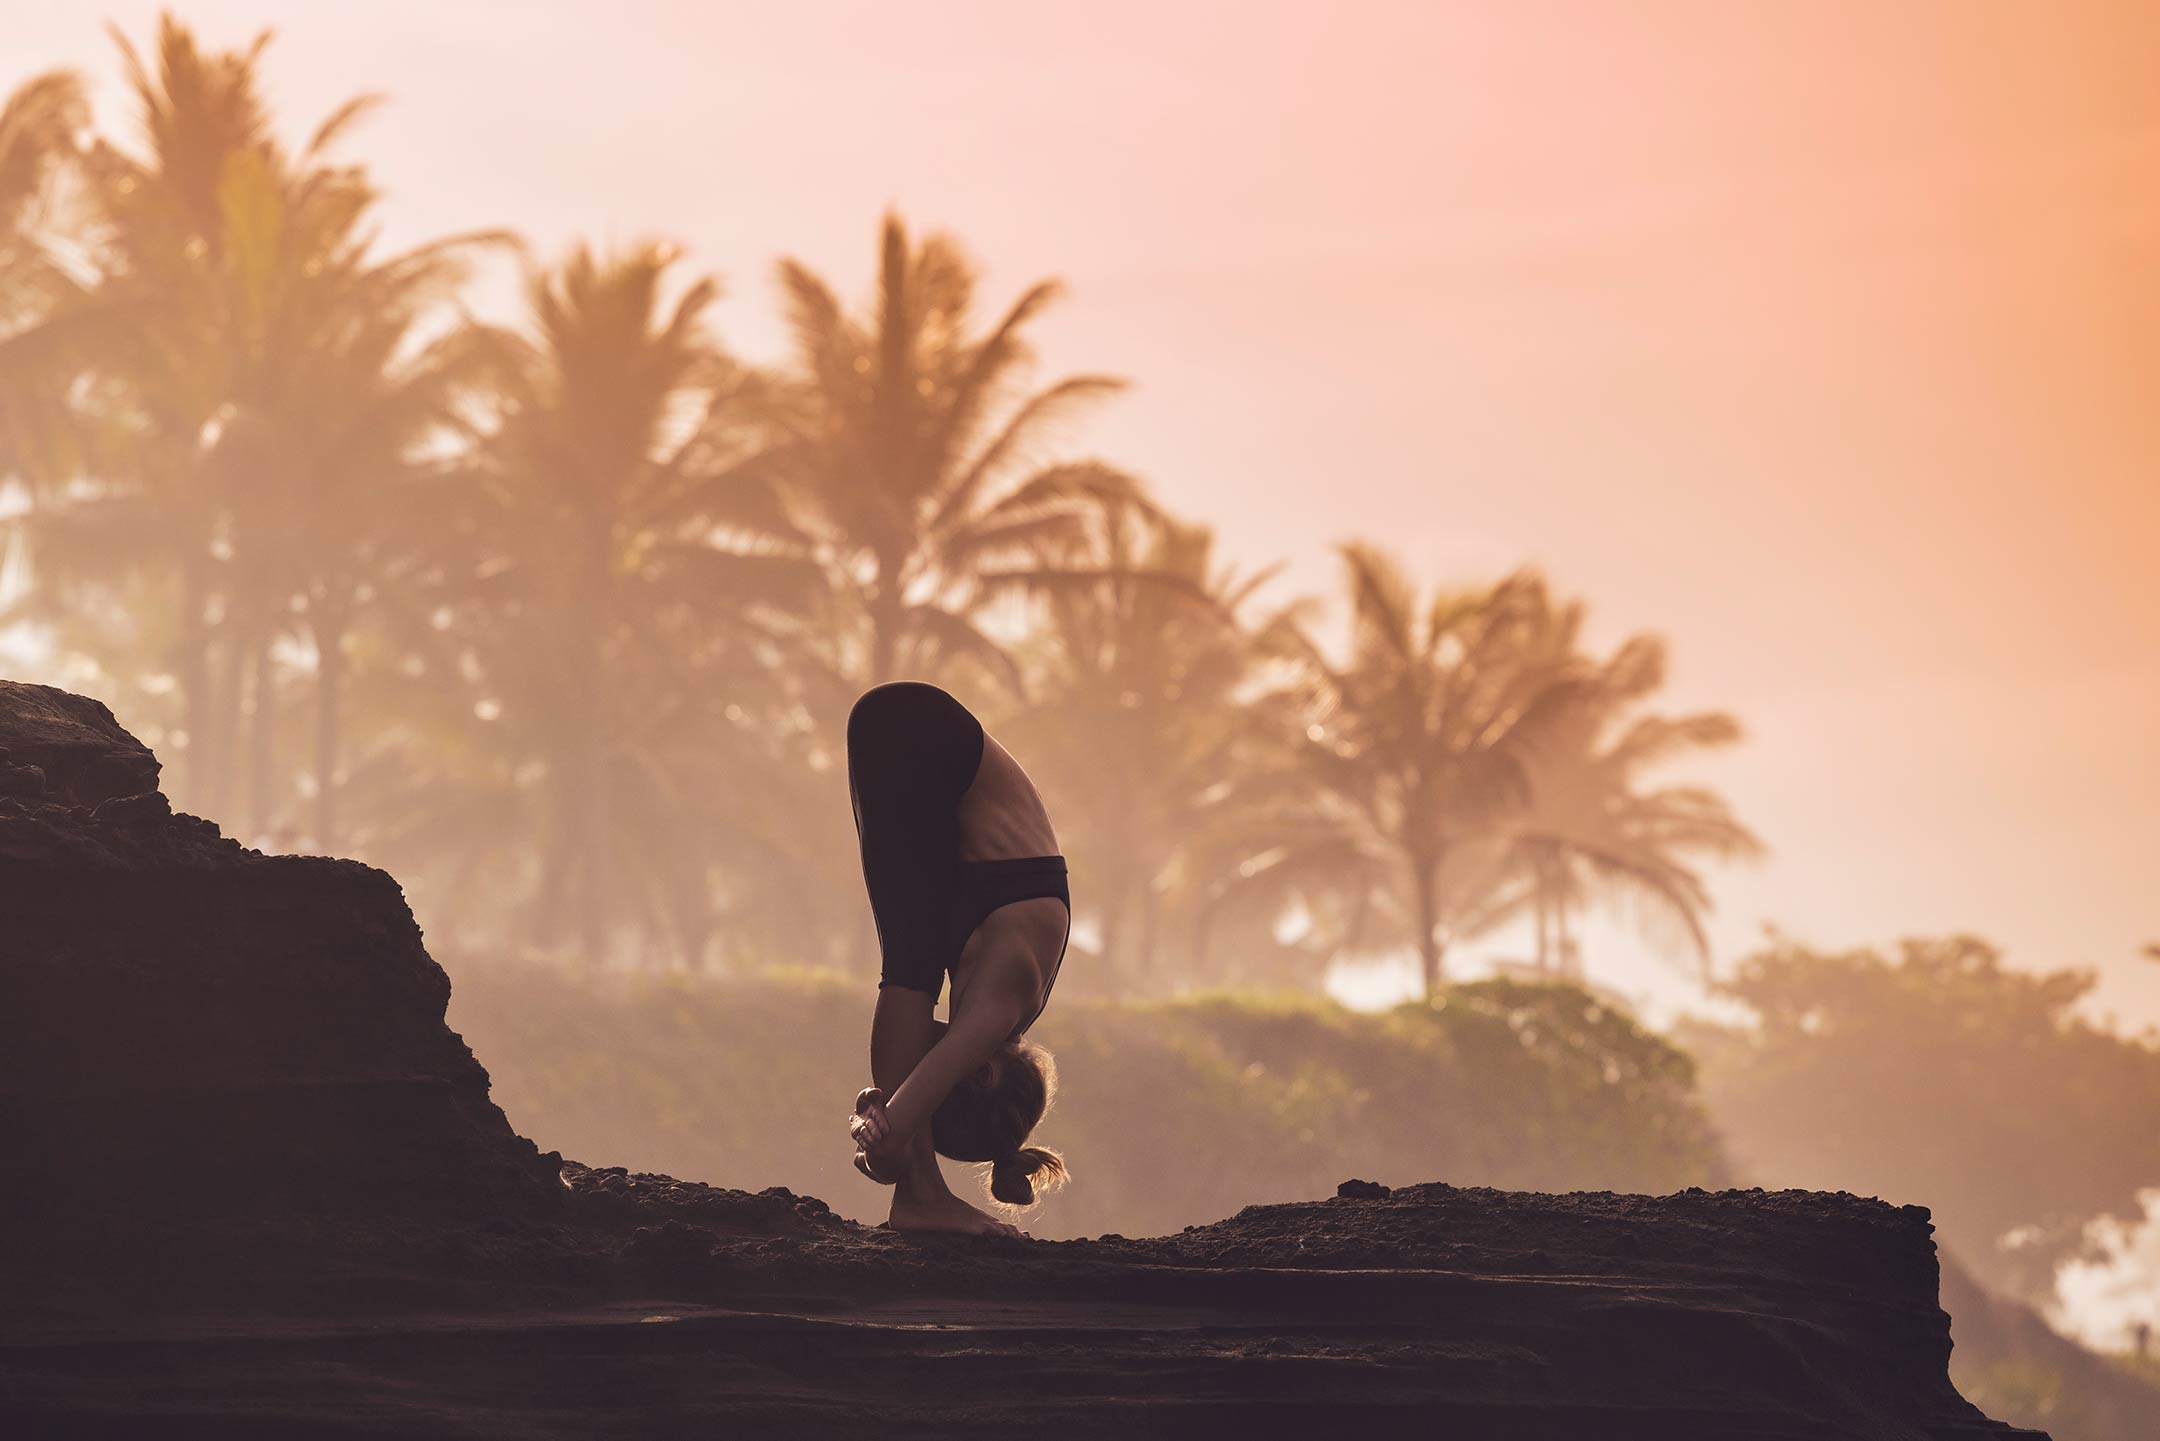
(557, 614)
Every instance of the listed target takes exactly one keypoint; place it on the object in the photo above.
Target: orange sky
(1814, 336)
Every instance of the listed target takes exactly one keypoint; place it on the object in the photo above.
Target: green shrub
(1172, 1112)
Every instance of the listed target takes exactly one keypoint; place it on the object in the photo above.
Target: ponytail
(1012, 1176)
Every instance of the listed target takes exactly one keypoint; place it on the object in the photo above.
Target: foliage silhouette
(1913, 1075)
(562, 619)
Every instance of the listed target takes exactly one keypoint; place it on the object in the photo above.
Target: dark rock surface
(233, 1031)
(68, 749)
(251, 1185)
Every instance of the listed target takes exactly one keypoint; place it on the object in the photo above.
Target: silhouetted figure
(965, 880)
(2141, 1339)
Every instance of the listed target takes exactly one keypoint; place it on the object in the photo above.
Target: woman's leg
(903, 1032)
(912, 752)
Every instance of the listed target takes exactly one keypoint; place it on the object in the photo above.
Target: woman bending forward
(965, 881)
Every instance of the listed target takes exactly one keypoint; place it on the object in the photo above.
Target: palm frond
(1034, 414)
(937, 636)
(339, 121)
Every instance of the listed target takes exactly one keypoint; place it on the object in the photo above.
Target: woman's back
(1001, 815)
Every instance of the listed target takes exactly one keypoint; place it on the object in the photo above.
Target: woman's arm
(972, 1038)
(902, 1031)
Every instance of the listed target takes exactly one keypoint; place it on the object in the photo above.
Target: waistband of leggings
(1016, 866)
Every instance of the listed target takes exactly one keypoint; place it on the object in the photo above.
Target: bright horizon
(1811, 339)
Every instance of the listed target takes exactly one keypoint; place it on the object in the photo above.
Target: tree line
(561, 619)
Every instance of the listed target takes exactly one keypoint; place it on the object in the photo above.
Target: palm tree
(1390, 831)
(341, 416)
(268, 388)
(911, 462)
(39, 126)
(156, 326)
(1591, 824)
(1149, 702)
(611, 575)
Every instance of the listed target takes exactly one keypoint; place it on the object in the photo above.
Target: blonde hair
(988, 1116)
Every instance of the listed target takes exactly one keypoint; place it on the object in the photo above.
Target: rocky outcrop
(253, 1185)
(1464, 1312)
(67, 750)
(660, 1307)
(235, 1031)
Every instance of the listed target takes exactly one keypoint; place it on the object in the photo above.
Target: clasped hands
(876, 1155)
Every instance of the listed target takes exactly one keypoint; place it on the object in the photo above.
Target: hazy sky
(1817, 337)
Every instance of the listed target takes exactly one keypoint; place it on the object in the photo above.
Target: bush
(1173, 1112)
(1941, 1075)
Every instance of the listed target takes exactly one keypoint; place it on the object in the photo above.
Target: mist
(1611, 652)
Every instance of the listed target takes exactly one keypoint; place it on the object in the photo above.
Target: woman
(964, 880)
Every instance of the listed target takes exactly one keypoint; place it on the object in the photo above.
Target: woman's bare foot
(865, 1164)
(947, 1213)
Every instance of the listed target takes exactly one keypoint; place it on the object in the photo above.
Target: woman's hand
(869, 1124)
(871, 1130)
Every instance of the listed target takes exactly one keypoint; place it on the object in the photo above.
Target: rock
(249, 1033)
(1362, 1190)
(20, 780)
(84, 754)
(145, 809)
(1802, 1316)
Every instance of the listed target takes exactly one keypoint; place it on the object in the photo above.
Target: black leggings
(912, 753)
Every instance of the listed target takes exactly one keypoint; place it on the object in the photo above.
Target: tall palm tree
(267, 383)
(608, 573)
(915, 466)
(343, 412)
(1149, 701)
(1417, 750)
(1592, 825)
(157, 325)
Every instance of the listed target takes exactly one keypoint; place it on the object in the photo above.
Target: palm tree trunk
(887, 612)
(222, 722)
(1110, 934)
(689, 925)
(1428, 917)
(544, 911)
(583, 843)
(1570, 960)
(594, 898)
(329, 697)
(190, 668)
(262, 736)
(1202, 940)
(588, 837)
(1150, 928)
(1539, 908)
(884, 643)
